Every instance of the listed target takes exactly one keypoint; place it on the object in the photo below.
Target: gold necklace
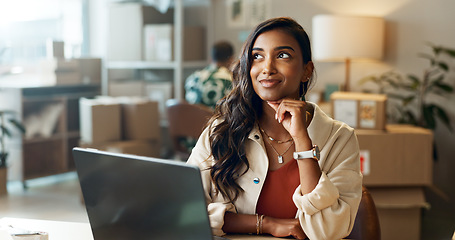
(280, 156)
(272, 139)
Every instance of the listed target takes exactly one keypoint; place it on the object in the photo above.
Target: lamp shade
(336, 38)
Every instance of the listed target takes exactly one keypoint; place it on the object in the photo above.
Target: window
(26, 26)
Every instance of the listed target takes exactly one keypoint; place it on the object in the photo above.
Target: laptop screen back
(132, 197)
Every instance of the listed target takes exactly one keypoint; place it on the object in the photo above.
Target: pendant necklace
(280, 156)
(272, 139)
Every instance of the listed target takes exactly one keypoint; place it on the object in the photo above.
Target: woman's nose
(269, 67)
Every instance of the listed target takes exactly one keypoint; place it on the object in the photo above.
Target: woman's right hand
(282, 227)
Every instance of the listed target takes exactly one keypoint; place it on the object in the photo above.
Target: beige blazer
(328, 212)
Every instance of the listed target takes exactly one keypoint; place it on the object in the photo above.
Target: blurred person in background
(212, 83)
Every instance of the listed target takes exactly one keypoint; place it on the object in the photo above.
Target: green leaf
(396, 96)
(427, 111)
(18, 125)
(436, 49)
(415, 82)
(444, 87)
(433, 83)
(394, 82)
(413, 78)
(441, 113)
(439, 79)
(443, 66)
(408, 100)
(5, 131)
(3, 157)
(449, 51)
(408, 87)
(410, 117)
(368, 79)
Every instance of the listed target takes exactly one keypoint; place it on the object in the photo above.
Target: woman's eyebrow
(284, 47)
(277, 48)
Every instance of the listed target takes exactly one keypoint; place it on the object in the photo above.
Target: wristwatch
(313, 153)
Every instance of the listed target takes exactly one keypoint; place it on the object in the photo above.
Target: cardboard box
(90, 70)
(360, 110)
(159, 43)
(100, 120)
(140, 119)
(127, 88)
(59, 65)
(400, 156)
(125, 32)
(148, 148)
(55, 49)
(399, 210)
(58, 71)
(194, 43)
(66, 78)
(160, 92)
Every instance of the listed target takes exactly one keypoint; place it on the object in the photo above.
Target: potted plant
(6, 125)
(411, 96)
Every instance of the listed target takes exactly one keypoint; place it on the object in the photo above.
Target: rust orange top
(276, 195)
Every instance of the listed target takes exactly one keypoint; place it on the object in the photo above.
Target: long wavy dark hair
(239, 110)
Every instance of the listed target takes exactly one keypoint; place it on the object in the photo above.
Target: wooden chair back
(185, 120)
(366, 226)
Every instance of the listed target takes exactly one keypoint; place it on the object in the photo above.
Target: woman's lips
(268, 83)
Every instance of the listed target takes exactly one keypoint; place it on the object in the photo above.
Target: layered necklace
(270, 139)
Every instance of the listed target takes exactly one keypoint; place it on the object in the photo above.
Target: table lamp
(345, 38)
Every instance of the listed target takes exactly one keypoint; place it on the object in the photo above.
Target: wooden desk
(58, 230)
(251, 237)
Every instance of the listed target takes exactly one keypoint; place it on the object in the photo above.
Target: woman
(247, 155)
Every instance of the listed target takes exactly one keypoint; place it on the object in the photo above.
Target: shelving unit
(175, 70)
(153, 65)
(49, 154)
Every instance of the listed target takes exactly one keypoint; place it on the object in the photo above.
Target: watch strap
(312, 153)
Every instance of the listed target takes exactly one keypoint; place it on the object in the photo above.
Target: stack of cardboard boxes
(156, 91)
(396, 162)
(123, 125)
(58, 70)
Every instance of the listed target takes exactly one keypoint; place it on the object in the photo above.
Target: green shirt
(208, 85)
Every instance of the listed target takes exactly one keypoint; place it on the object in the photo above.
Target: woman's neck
(270, 125)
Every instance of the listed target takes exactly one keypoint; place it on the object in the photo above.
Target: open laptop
(134, 197)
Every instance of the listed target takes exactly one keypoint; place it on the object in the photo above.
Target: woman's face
(277, 68)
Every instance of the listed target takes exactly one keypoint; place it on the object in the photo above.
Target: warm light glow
(346, 38)
(336, 38)
(361, 7)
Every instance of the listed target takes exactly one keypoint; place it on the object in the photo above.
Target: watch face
(316, 152)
